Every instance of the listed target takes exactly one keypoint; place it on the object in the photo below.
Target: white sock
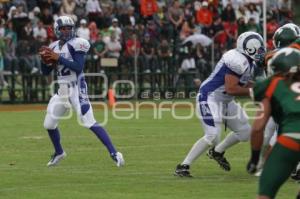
(298, 166)
(199, 147)
(230, 139)
(261, 161)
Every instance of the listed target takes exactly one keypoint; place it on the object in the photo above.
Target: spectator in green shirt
(99, 51)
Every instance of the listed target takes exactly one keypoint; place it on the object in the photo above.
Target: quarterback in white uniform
(215, 102)
(67, 57)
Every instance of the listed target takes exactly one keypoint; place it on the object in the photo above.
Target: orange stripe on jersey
(270, 90)
(268, 56)
(295, 45)
(288, 143)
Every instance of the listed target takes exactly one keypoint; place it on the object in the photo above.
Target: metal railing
(35, 88)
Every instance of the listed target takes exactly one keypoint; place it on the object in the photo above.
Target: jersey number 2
(295, 87)
(65, 71)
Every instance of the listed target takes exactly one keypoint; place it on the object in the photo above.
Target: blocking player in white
(231, 77)
(67, 57)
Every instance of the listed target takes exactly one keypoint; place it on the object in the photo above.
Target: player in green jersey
(279, 97)
(283, 37)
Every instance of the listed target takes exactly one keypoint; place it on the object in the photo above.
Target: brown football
(44, 54)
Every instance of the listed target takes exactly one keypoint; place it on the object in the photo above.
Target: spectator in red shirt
(132, 50)
(94, 32)
(133, 46)
(217, 31)
(148, 9)
(231, 30)
(272, 26)
(204, 16)
(50, 34)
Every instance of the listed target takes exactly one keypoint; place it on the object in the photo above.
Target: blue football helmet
(64, 21)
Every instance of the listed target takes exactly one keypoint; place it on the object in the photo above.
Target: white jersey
(232, 62)
(72, 88)
(65, 74)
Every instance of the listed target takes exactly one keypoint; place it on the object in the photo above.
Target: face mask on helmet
(251, 44)
(285, 60)
(284, 36)
(64, 28)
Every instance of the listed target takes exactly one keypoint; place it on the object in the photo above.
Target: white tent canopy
(198, 39)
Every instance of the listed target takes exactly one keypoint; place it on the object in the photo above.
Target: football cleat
(259, 168)
(258, 173)
(56, 158)
(219, 157)
(118, 158)
(183, 170)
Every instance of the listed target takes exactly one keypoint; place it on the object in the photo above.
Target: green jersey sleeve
(260, 88)
(297, 41)
(295, 44)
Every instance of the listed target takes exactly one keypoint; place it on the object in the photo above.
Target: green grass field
(152, 148)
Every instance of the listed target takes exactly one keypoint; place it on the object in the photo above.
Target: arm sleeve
(45, 69)
(259, 89)
(77, 63)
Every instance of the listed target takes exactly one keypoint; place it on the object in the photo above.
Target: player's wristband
(255, 156)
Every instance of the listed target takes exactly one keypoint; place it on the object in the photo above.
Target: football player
(283, 37)
(67, 57)
(215, 102)
(280, 98)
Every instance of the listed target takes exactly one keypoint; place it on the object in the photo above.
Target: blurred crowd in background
(148, 33)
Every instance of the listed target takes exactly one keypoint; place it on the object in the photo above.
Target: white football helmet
(252, 45)
(292, 26)
(64, 21)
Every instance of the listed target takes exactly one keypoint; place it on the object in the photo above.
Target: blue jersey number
(64, 72)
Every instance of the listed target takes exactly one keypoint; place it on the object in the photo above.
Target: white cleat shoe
(55, 159)
(118, 158)
(258, 173)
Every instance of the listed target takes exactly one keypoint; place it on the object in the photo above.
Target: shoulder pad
(80, 44)
(236, 61)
